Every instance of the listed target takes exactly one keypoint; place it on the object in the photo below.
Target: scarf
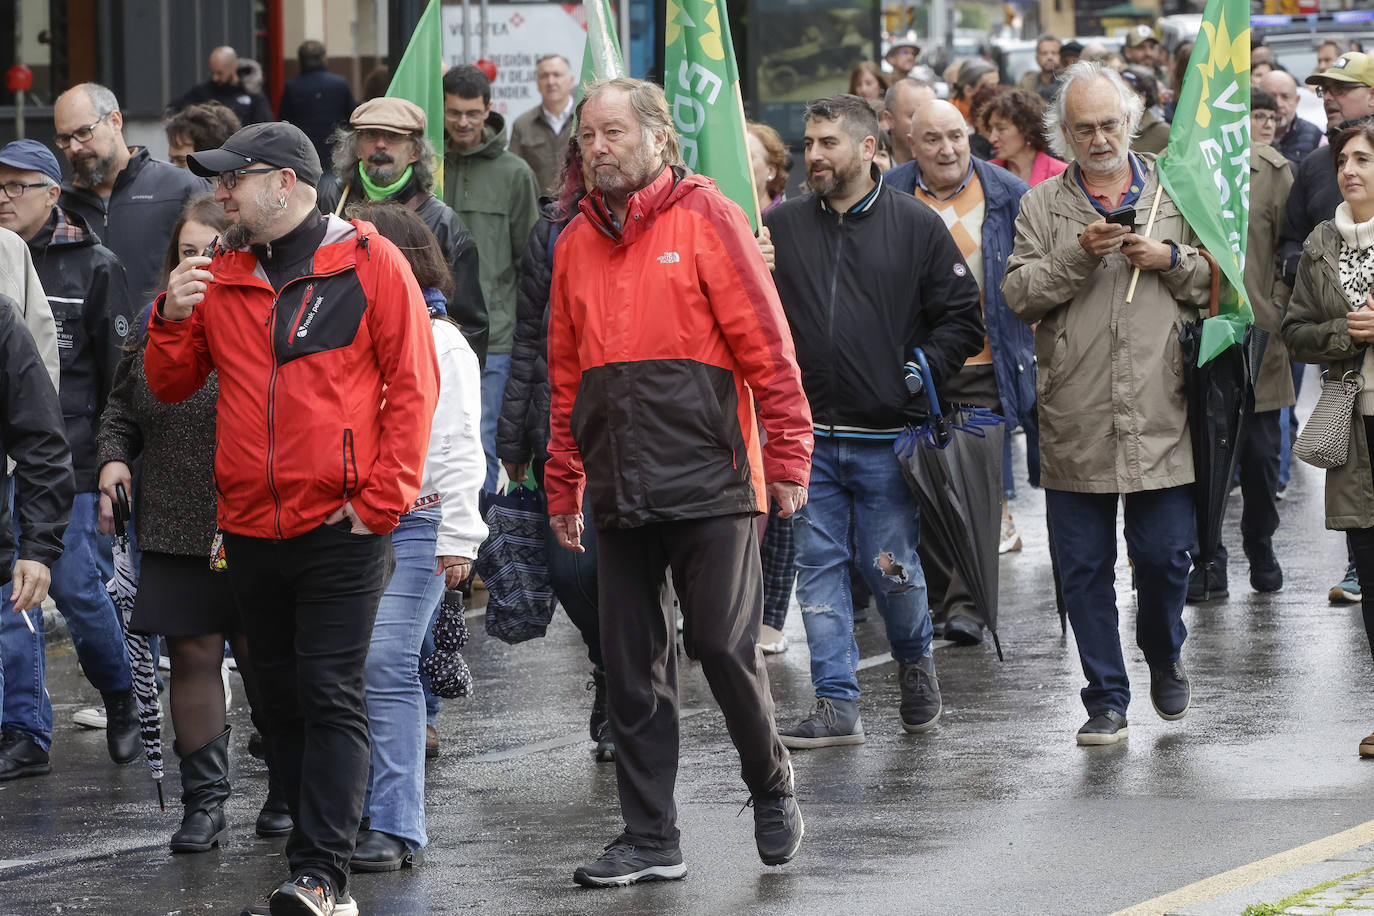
(1355, 263)
(435, 302)
(376, 191)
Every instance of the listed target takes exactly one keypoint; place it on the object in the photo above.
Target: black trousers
(1361, 542)
(1257, 466)
(719, 583)
(308, 605)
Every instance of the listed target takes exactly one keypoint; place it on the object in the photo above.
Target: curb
(1357, 864)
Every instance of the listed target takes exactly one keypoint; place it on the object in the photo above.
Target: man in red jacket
(308, 320)
(665, 330)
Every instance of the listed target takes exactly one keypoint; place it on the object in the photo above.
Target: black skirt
(182, 596)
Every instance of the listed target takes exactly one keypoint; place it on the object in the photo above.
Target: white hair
(1087, 71)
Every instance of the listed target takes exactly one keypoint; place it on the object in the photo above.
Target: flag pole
(744, 138)
(1149, 225)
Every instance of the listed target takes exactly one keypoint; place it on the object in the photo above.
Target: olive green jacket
(1270, 179)
(1112, 409)
(1315, 330)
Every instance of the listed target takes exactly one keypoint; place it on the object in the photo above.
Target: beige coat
(1113, 414)
(1315, 330)
(1270, 179)
(19, 281)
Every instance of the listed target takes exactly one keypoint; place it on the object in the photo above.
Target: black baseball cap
(274, 143)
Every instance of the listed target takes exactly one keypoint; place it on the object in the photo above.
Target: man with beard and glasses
(664, 331)
(383, 154)
(1293, 136)
(327, 385)
(1347, 90)
(858, 305)
(124, 195)
(1113, 415)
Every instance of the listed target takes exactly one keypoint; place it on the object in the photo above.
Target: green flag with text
(419, 78)
(701, 80)
(1206, 168)
(601, 57)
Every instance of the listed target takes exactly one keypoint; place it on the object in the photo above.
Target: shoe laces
(617, 850)
(825, 713)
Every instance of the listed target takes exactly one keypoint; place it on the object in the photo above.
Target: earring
(282, 203)
(772, 175)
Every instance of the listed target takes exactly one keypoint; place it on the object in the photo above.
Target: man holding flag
(1113, 415)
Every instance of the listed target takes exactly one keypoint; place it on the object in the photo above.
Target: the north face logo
(669, 257)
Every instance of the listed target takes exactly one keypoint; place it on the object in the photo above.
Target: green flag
(702, 83)
(419, 78)
(1206, 168)
(601, 58)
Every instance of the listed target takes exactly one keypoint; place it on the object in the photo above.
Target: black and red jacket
(302, 422)
(663, 335)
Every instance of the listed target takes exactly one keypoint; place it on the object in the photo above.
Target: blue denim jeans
(494, 376)
(79, 592)
(395, 704)
(858, 496)
(1160, 529)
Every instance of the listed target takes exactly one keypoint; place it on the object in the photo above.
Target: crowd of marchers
(297, 354)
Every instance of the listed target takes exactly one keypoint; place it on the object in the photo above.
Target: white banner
(518, 34)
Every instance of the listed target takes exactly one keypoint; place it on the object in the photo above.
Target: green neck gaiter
(382, 191)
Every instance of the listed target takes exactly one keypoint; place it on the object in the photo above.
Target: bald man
(225, 86)
(899, 104)
(1294, 137)
(978, 203)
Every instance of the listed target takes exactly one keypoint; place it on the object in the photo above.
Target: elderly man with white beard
(1113, 416)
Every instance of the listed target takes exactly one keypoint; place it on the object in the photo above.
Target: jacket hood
(65, 228)
(493, 139)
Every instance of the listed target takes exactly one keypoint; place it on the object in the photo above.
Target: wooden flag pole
(1149, 226)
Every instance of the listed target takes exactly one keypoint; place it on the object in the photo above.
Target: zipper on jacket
(300, 313)
(830, 316)
(272, 418)
(349, 462)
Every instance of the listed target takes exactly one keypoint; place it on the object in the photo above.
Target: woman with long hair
(868, 81)
(769, 161)
(179, 595)
(435, 543)
(1330, 320)
(1016, 128)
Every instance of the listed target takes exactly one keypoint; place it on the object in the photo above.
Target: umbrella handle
(928, 380)
(121, 506)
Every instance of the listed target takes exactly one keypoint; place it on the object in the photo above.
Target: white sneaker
(772, 641)
(224, 679)
(1010, 541)
(90, 717)
(164, 662)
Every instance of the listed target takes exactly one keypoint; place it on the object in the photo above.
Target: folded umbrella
(123, 588)
(953, 464)
(448, 673)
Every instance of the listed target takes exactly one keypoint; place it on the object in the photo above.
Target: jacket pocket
(350, 465)
(1049, 379)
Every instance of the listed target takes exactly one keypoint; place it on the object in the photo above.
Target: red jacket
(303, 425)
(662, 336)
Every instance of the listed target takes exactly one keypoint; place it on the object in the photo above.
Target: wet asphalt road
(995, 811)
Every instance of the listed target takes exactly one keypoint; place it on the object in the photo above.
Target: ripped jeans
(858, 496)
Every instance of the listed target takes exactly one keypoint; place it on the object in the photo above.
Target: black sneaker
(1207, 585)
(604, 752)
(597, 685)
(1265, 573)
(623, 863)
(778, 827)
(309, 895)
(831, 724)
(1107, 727)
(963, 630)
(1170, 691)
(21, 756)
(921, 703)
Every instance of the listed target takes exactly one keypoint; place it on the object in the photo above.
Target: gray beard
(93, 175)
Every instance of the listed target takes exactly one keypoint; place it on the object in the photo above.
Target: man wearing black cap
(308, 320)
(84, 282)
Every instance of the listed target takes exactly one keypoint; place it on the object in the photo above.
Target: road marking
(1236, 878)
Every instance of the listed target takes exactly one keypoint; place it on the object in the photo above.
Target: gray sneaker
(778, 826)
(623, 863)
(921, 703)
(832, 723)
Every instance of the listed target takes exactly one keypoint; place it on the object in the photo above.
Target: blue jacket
(1012, 341)
(317, 101)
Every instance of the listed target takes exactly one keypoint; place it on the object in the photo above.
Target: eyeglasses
(1264, 117)
(373, 134)
(80, 135)
(14, 190)
(1108, 128)
(1336, 90)
(472, 114)
(230, 180)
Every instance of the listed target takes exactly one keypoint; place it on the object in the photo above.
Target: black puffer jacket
(466, 306)
(31, 434)
(522, 431)
(85, 286)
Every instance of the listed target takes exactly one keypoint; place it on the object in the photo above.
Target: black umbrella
(448, 673)
(954, 466)
(1221, 396)
(123, 588)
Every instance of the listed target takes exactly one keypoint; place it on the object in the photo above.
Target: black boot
(123, 735)
(274, 819)
(204, 790)
(600, 725)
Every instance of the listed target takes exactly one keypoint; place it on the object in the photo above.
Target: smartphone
(1122, 216)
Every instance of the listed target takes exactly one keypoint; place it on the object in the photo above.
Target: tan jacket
(19, 281)
(1153, 136)
(1113, 414)
(1270, 179)
(1315, 330)
(532, 139)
